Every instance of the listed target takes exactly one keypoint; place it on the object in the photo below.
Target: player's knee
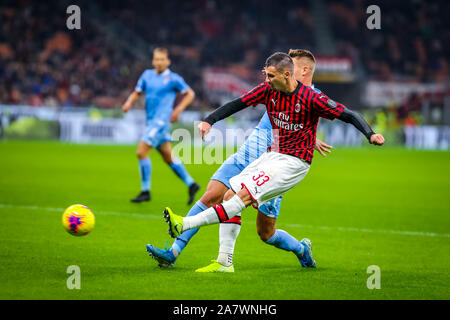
(245, 196)
(143, 150)
(264, 234)
(228, 195)
(141, 154)
(265, 228)
(168, 159)
(211, 198)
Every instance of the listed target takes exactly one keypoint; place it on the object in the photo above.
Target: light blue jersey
(257, 142)
(160, 93)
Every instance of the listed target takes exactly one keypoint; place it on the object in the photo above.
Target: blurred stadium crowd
(43, 63)
(411, 44)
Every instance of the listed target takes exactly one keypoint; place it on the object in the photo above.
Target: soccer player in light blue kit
(255, 145)
(161, 86)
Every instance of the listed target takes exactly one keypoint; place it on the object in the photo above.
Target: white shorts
(270, 176)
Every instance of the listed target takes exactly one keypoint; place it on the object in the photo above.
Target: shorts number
(258, 180)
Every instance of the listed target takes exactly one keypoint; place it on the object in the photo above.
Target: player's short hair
(281, 61)
(162, 50)
(301, 53)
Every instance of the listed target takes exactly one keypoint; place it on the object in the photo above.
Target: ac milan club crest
(331, 103)
(298, 107)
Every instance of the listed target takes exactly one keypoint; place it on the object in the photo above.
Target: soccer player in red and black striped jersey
(294, 110)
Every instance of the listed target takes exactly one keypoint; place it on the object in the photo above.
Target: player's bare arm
(132, 98)
(187, 99)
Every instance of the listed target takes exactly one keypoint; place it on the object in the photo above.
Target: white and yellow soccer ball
(78, 220)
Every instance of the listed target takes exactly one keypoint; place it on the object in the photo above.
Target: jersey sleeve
(325, 107)
(180, 85)
(255, 96)
(140, 85)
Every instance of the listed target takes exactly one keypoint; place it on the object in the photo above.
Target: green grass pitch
(388, 207)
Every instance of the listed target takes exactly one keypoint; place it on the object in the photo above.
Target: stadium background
(397, 75)
(65, 88)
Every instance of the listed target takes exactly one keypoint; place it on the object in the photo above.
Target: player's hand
(377, 139)
(126, 107)
(204, 128)
(322, 147)
(174, 117)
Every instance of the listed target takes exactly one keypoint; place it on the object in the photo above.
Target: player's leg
(218, 213)
(213, 195)
(215, 191)
(226, 210)
(267, 231)
(228, 230)
(266, 227)
(180, 170)
(264, 179)
(145, 171)
(228, 233)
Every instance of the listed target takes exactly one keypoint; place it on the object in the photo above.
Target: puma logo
(274, 102)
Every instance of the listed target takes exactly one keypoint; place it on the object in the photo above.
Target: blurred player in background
(160, 86)
(255, 145)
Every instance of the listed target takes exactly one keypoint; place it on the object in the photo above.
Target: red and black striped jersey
(294, 116)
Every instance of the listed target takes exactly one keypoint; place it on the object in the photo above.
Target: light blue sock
(179, 169)
(145, 170)
(283, 240)
(181, 241)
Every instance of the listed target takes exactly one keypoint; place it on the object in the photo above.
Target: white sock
(206, 217)
(210, 216)
(228, 233)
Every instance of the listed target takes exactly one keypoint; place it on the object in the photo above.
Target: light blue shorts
(234, 166)
(156, 134)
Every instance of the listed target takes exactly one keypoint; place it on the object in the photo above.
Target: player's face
(160, 61)
(277, 80)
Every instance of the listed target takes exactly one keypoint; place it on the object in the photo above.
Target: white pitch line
(111, 213)
(364, 230)
(327, 228)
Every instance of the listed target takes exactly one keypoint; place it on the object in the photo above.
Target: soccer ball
(78, 220)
